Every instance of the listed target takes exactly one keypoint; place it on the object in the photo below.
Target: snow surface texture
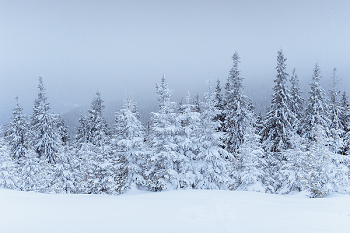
(173, 211)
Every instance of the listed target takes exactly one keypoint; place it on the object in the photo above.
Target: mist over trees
(210, 141)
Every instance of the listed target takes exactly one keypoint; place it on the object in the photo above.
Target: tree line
(218, 142)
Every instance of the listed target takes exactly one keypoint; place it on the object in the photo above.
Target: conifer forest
(211, 141)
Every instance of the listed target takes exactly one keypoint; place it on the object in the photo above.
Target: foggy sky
(119, 47)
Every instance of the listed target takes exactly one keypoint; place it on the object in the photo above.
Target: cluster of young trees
(216, 143)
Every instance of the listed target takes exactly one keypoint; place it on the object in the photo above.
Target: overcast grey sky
(117, 46)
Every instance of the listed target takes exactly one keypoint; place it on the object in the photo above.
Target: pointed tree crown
(316, 112)
(97, 105)
(164, 94)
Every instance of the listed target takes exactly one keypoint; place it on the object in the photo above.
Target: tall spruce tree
(279, 120)
(45, 139)
(187, 139)
(334, 112)
(296, 101)
(219, 104)
(94, 150)
(236, 109)
(316, 117)
(129, 148)
(161, 171)
(16, 133)
(99, 132)
(213, 164)
(345, 121)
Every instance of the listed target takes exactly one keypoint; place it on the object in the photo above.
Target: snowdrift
(174, 211)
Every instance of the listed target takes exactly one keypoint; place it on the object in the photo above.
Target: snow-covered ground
(173, 211)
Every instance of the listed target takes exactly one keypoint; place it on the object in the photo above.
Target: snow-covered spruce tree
(94, 149)
(93, 127)
(34, 173)
(334, 114)
(161, 173)
(101, 164)
(213, 164)
(66, 174)
(316, 115)
(324, 172)
(288, 175)
(129, 148)
(291, 170)
(44, 136)
(279, 120)
(180, 108)
(7, 166)
(250, 164)
(20, 167)
(16, 133)
(197, 104)
(296, 101)
(313, 166)
(104, 172)
(236, 108)
(62, 130)
(259, 123)
(187, 139)
(96, 169)
(219, 104)
(98, 132)
(87, 165)
(345, 112)
(82, 131)
(345, 121)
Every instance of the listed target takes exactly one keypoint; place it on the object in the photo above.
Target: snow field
(173, 211)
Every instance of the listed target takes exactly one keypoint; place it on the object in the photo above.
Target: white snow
(173, 211)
